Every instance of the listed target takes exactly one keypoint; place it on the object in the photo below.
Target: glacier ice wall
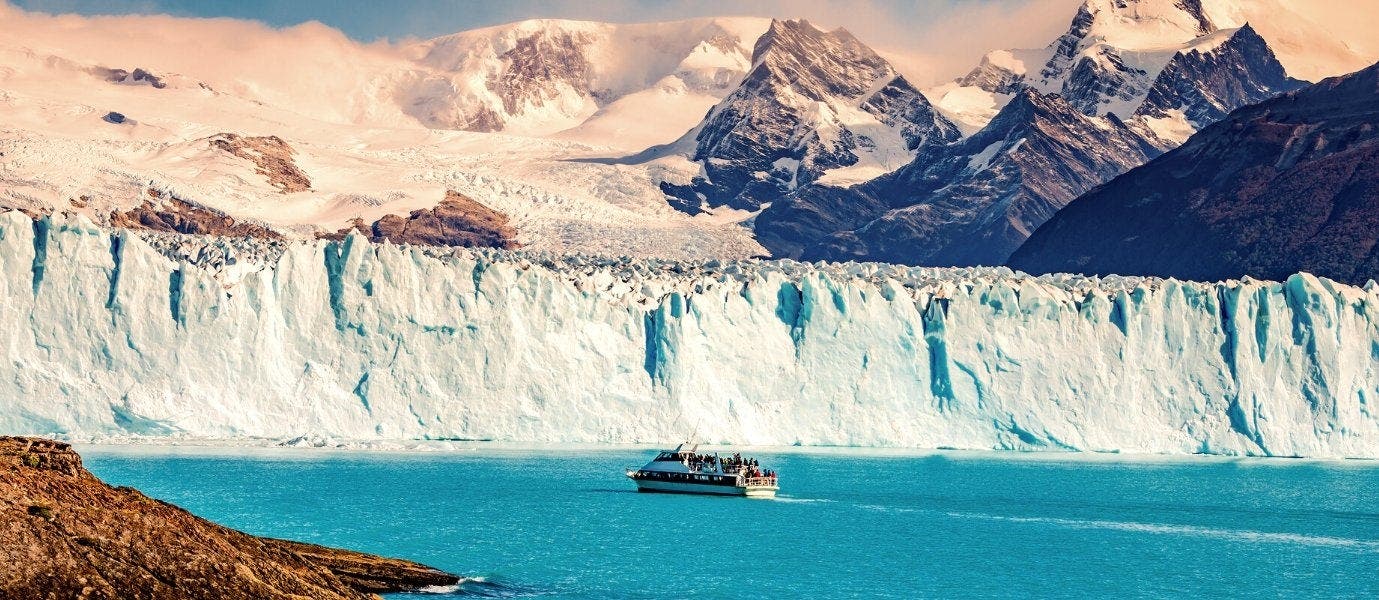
(105, 335)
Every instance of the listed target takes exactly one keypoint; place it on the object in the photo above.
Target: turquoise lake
(568, 524)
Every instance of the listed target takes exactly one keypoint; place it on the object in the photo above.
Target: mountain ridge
(1291, 184)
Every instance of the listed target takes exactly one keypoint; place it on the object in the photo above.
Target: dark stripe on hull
(690, 492)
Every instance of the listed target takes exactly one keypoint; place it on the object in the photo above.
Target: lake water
(569, 525)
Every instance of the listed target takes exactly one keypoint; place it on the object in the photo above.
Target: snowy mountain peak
(544, 76)
(1140, 24)
(817, 106)
(1114, 52)
(1201, 84)
(826, 63)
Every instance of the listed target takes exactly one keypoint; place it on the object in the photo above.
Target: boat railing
(760, 481)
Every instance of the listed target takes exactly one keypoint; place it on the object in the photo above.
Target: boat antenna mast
(694, 435)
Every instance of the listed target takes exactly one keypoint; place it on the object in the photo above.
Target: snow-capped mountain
(1116, 54)
(210, 126)
(817, 106)
(187, 127)
(541, 77)
(1203, 83)
(1288, 185)
(1127, 81)
(970, 202)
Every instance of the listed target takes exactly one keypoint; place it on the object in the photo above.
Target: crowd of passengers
(731, 464)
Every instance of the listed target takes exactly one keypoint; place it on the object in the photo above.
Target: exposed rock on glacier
(107, 336)
(457, 221)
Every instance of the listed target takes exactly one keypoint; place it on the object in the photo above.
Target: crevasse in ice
(106, 335)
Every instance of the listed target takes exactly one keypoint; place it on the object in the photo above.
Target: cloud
(930, 40)
(250, 59)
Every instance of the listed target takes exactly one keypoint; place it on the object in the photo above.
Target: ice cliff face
(106, 335)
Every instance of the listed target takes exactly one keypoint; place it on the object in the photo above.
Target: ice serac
(353, 340)
(815, 104)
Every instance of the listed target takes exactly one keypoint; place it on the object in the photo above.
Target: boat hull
(678, 487)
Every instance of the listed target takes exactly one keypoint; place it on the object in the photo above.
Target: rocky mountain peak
(815, 102)
(818, 64)
(1201, 84)
(1153, 22)
(972, 202)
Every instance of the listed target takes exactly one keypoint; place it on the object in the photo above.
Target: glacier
(113, 333)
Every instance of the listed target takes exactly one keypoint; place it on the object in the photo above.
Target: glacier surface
(109, 333)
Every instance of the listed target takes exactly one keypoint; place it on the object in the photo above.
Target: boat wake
(1245, 535)
(478, 587)
(792, 500)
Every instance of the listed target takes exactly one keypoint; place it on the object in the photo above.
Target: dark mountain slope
(975, 201)
(1288, 185)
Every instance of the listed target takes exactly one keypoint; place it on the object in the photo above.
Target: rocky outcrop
(272, 158)
(457, 221)
(1288, 185)
(168, 213)
(137, 76)
(66, 534)
(536, 60)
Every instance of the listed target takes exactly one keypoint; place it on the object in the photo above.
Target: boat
(685, 471)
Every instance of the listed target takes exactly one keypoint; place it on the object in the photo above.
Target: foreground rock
(66, 534)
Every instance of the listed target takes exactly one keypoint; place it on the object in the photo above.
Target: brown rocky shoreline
(66, 534)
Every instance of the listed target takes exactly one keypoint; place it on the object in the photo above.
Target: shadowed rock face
(271, 156)
(66, 534)
(456, 221)
(1288, 185)
(168, 213)
(535, 63)
(1206, 86)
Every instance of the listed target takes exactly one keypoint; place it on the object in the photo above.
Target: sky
(930, 41)
(368, 20)
(927, 39)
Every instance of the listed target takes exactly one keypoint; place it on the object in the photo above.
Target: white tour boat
(685, 471)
